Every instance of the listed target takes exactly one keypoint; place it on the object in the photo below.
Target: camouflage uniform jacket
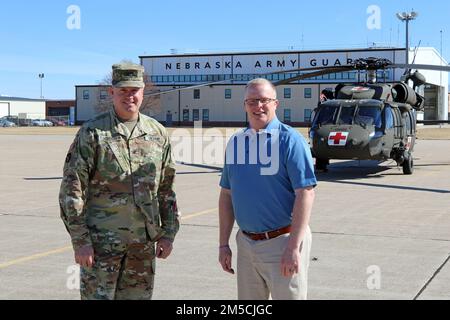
(117, 189)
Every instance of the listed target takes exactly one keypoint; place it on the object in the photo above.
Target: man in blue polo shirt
(268, 188)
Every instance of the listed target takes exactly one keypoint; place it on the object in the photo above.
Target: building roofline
(93, 85)
(6, 98)
(267, 52)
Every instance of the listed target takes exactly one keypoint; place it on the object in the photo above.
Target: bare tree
(151, 105)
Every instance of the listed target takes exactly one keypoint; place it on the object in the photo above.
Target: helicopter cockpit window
(368, 116)
(389, 117)
(346, 115)
(325, 115)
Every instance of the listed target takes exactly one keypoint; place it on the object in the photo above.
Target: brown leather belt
(267, 235)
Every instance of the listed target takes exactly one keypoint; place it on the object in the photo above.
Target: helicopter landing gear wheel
(408, 164)
(321, 164)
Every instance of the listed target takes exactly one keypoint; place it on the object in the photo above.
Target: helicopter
(366, 120)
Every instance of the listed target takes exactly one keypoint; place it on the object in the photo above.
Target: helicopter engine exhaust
(406, 94)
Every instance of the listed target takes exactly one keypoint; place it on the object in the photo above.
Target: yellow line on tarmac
(34, 257)
(198, 214)
(64, 249)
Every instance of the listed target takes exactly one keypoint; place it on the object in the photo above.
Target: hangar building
(221, 104)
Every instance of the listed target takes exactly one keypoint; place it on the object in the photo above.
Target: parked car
(6, 123)
(58, 122)
(42, 123)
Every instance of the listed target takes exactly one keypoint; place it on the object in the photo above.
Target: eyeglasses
(255, 102)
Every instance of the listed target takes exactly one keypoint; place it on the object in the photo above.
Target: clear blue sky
(35, 38)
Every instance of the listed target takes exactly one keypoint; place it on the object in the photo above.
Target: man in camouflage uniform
(117, 198)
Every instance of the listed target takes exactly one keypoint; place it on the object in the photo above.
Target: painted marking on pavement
(34, 257)
(64, 249)
(201, 213)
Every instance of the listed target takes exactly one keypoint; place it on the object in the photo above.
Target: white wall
(437, 78)
(32, 109)
(4, 109)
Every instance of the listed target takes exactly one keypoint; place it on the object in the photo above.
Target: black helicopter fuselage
(337, 133)
(363, 128)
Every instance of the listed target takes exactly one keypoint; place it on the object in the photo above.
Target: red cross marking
(338, 137)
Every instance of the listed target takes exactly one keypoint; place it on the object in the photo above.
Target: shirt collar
(274, 124)
(141, 128)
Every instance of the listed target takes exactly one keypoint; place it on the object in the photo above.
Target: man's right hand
(84, 256)
(225, 255)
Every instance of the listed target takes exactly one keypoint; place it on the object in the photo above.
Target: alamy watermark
(374, 280)
(374, 19)
(73, 22)
(73, 280)
(236, 146)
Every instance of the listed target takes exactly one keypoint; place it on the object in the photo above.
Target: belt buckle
(266, 234)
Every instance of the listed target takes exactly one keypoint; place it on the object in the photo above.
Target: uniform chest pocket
(150, 148)
(115, 158)
(155, 145)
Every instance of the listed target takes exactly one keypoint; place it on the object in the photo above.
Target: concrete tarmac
(377, 234)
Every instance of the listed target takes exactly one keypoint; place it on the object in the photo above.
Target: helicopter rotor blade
(307, 69)
(317, 71)
(421, 67)
(322, 70)
(185, 88)
(314, 74)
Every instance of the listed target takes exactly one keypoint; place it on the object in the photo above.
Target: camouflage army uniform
(117, 195)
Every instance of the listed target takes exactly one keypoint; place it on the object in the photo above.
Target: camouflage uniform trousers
(120, 272)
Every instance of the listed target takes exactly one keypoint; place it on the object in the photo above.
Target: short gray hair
(258, 82)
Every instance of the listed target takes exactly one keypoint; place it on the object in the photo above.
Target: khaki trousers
(258, 269)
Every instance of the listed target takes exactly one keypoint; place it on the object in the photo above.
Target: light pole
(407, 16)
(442, 57)
(41, 76)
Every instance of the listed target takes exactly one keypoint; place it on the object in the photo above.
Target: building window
(205, 114)
(308, 93)
(185, 114)
(86, 94)
(196, 93)
(195, 115)
(287, 93)
(307, 115)
(227, 93)
(103, 94)
(287, 115)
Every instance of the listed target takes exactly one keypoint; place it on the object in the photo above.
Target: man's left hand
(163, 248)
(290, 262)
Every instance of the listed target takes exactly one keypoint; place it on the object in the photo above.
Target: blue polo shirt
(262, 170)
